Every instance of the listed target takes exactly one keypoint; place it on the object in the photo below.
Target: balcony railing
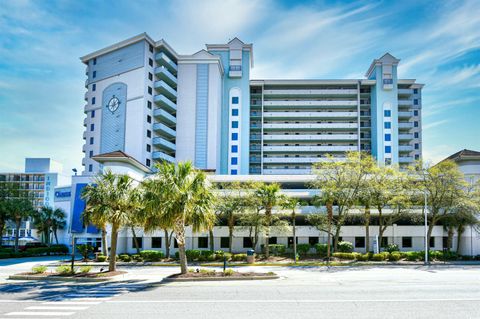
(164, 116)
(310, 137)
(164, 130)
(162, 156)
(165, 89)
(165, 103)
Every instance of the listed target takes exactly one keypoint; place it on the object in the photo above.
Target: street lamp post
(426, 227)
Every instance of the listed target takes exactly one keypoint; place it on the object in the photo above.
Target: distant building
(468, 162)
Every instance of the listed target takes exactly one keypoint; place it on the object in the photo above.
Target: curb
(66, 279)
(167, 280)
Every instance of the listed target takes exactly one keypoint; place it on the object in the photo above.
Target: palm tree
(268, 196)
(47, 221)
(58, 222)
(292, 204)
(21, 209)
(113, 199)
(179, 196)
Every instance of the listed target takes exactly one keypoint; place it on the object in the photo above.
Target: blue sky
(42, 79)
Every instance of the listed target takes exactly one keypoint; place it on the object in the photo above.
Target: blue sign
(63, 194)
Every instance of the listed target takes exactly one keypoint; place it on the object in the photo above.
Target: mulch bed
(78, 275)
(217, 274)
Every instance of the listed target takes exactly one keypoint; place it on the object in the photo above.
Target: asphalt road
(377, 292)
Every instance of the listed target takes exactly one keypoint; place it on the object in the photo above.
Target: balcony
(255, 137)
(308, 126)
(255, 114)
(85, 122)
(405, 91)
(287, 171)
(165, 61)
(83, 148)
(86, 83)
(165, 103)
(405, 114)
(304, 160)
(310, 103)
(166, 90)
(405, 125)
(310, 137)
(255, 148)
(163, 144)
(255, 170)
(312, 115)
(405, 148)
(164, 130)
(83, 161)
(85, 135)
(365, 113)
(163, 74)
(235, 71)
(405, 137)
(164, 116)
(387, 84)
(85, 97)
(405, 160)
(405, 102)
(255, 160)
(255, 125)
(309, 148)
(310, 93)
(162, 156)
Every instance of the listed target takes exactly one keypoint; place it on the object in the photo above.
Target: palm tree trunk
(112, 266)
(367, 228)
(55, 235)
(18, 222)
(460, 230)
(104, 242)
(211, 241)
(230, 238)
(167, 244)
(267, 234)
(329, 233)
(294, 237)
(180, 236)
(183, 258)
(135, 241)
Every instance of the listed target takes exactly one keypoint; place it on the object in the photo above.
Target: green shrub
(391, 248)
(202, 258)
(85, 269)
(412, 256)
(209, 272)
(101, 258)
(193, 254)
(277, 249)
(212, 257)
(177, 255)
(303, 249)
(64, 270)
(378, 257)
(435, 255)
(6, 255)
(124, 257)
(321, 249)
(206, 253)
(151, 255)
(348, 256)
(239, 257)
(345, 247)
(394, 256)
(85, 250)
(39, 269)
(227, 256)
(228, 272)
(219, 253)
(362, 257)
(137, 258)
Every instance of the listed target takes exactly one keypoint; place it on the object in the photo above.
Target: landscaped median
(213, 275)
(64, 273)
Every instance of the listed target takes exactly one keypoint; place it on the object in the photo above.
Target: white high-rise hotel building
(145, 99)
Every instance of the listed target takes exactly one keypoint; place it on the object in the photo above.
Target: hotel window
(224, 242)
(415, 102)
(150, 48)
(415, 135)
(139, 242)
(150, 76)
(150, 90)
(175, 243)
(93, 100)
(417, 146)
(234, 124)
(202, 242)
(388, 137)
(415, 124)
(233, 172)
(94, 61)
(149, 133)
(415, 91)
(359, 242)
(150, 62)
(290, 241)
(234, 161)
(388, 149)
(90, 154)
(156, 242)
(234, 149)
(313, 241)
(247, 242)
(432, 242)
(94, 74)
(415, 113)
(235, 100)
(149, 119)
(149, 148)
(406, 242)
(91, 140)
(92, 127)
(93, 114)
(272, 240)
(149, 105)
(388, 125)
(147, 162)
(94, 87)
(387, 113)
(234, 112)
(417, 157)
(234, 136)
(90, 167)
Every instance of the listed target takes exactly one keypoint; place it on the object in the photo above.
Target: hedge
(345, 247)
(35, 251)
(151, 255)
(277, 249)
(321, 249)
(303, 249)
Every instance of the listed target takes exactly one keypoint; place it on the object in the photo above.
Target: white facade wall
(214, 116)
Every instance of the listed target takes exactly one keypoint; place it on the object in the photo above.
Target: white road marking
(52, 313)
(293, 300)
(90, 295)
(71, 303)
(56, 308)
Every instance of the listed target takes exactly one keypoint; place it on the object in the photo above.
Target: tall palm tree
(58, 222)
(21, 209)
(111, 199)
(268, 196)
(47, 221)
(179, 196)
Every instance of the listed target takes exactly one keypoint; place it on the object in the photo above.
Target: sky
(42, 79)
